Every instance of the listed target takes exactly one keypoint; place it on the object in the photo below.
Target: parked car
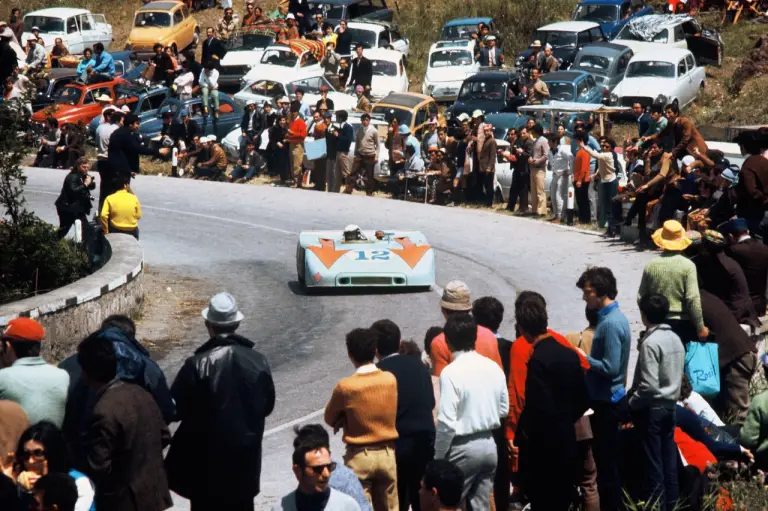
(377, 34)
(448, 65)
(664, 76)
(489, 92)
(285, 83)
(389, 73)
(567, 38)
(244, 50)
(410, 108)
(230, 115)
(77, 102)
(169, 23)
(336, 10)
(464, 28)
(612, 15)
(297, 55)
(78, 28)
(575, 86)
(659, 31)
(606, 62)
(138, 98)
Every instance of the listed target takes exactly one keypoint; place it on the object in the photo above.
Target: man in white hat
(223, 394)
(216, 166)
(537, 58)
(36, 59)
(490, 55)
(551, 64)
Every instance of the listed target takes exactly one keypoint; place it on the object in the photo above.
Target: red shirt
(486, 344)
(297, 131)
(581, 168)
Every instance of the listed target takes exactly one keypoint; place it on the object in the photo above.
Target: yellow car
(410, 108)
(166, 22)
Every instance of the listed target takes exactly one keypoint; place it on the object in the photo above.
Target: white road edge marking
(294, 422)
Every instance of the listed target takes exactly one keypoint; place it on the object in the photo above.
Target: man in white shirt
(107, 184)
(607, 164)
(209, 84)
(473, 398)
(561, 163)
(367, 148)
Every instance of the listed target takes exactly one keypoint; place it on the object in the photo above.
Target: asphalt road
(243, 239)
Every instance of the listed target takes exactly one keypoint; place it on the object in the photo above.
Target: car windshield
(458, 32)
(384, 68)
(445, 58)
(595, 64)
(68, 96)
(46, 24)
(403, 116)
(597, 13)
(477, 90)
(364, 37)
(651, 68)
(152, 19)
(267, 88)
(284, 58)
(561, 91)
(249, 42)
(556, 39)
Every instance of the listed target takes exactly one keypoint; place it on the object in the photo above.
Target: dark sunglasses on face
(319, 469)
(37, 454)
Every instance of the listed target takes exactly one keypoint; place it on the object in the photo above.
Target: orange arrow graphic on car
(327, 252)
(410, 253)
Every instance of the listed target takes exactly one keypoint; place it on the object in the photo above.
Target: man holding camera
(74, 202)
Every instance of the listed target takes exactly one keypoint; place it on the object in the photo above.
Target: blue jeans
(606, 194)
(241, 171)
(656, 428)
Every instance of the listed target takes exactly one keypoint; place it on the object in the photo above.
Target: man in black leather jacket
(223, 394)
(74, 202)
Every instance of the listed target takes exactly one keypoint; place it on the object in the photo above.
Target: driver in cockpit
(353, 233)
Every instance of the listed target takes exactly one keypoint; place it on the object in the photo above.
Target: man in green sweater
(754, 432)
(673, 276)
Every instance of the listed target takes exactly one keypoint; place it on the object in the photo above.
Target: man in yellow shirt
(121, 213)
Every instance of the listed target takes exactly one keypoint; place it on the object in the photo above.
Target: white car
(448, 65)
(78, 28)
(663, 76)
(285, 83)
(377, 34)
(244, 51)
(279, 58)
(389, 73)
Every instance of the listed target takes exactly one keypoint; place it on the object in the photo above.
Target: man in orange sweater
(364, 406)
(297, 132)
(456, 300)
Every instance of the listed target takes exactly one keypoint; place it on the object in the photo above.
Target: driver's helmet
(352, 233)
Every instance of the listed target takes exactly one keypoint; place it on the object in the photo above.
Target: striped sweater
(674, 276)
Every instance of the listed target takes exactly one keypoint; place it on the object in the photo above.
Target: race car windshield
(556, 39)
(561, 91)
(384, 68)
(403, 116)
(481, 90)
(364, 37)
(651, 69)
(458, 32)
(284, 58)
(68, 96)
(46, 24)
(597, 13)
(594, 64)
(152, 19)
(445, 58)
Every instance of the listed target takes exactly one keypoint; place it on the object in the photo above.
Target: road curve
(243, 239)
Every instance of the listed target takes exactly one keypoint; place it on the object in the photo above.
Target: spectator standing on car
(74, 201)
(223, 394)
(538, 92)
(582, 177)
(608, 360)
(652, 399)
(103, 69)
(367, 146)
(538, 165)
(551, 64)
(561, 163)
(184, 82)
(248, 166)
(473, 398)
(364, 406)
(415, 445)
(490, 55)
(209, 86)
(344, 40)
(213, 49)
(361, 73)
(25, 378)
(295, 136)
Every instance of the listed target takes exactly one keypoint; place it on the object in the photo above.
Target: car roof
(604, 49)
(563, 76)
(569, 26)
(383, 54)
(404, 99)
(160, 6)
(492, 75)
(666, 20)
(667, 54)
(467, 21)
(58, 12)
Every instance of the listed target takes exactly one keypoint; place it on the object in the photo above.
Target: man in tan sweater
(364, 406)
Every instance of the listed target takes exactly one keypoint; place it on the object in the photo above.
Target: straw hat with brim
(671, 237)
(714, 238)
(222, 311)
(103, 98)
(536, 44)
(456, 297)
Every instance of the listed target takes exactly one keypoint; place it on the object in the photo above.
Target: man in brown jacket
(487, 161)
(124, 442)
(687, 138)
(442, 173)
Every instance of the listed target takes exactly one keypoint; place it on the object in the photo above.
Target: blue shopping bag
(702, 366)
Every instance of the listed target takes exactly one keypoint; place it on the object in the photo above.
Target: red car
(77, 102)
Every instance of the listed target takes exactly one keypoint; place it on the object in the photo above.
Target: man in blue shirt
(608, 362)
(86, 63)
(103, 68)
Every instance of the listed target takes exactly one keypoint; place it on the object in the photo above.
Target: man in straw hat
(674, 276)
(223, 394)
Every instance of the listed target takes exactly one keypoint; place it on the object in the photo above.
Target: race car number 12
(372, 255)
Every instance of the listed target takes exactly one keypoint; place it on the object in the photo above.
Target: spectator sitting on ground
(216, 166)
(697, 404)
(441, 487)
(247, 169)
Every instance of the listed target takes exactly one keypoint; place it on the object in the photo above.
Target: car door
(503, 175)
(177, 28)
(678, 36)
(74, 37)
(102, 29)
(682, 83)
(693, 80)
(621, 67)
(399, 43)
(582, 91)
(704, 44)
(88, 30)
(229, 118)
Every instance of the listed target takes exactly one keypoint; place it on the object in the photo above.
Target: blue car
(612, 15)
(463, 28)
(140, 99)
(230, 115)
(576, 87)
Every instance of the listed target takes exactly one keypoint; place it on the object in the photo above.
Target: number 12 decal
(375, 255)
